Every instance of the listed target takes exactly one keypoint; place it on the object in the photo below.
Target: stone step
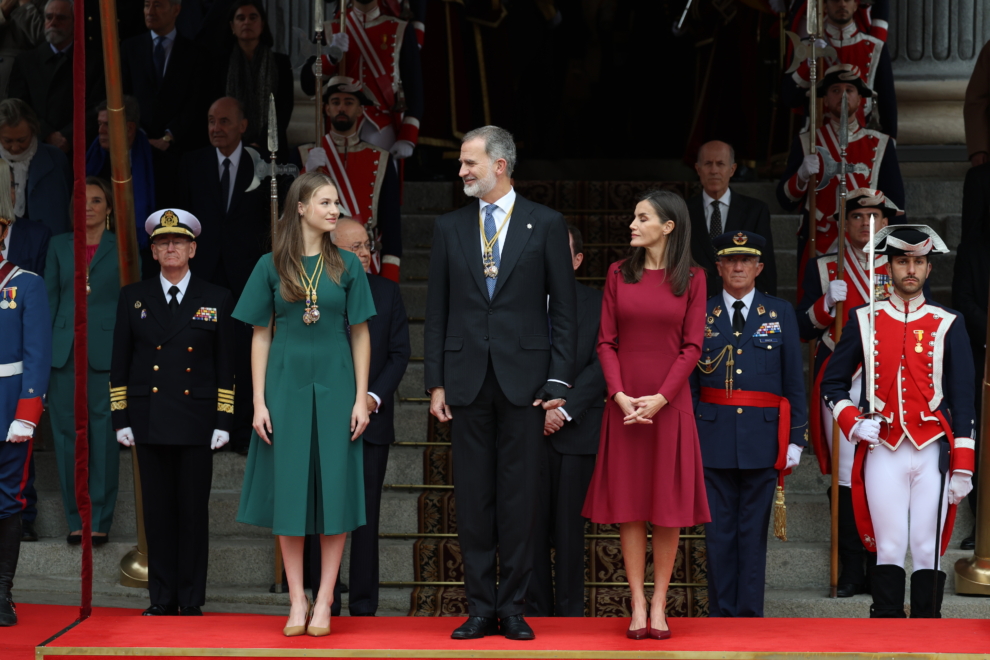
(414, 297)
(412, 382)
(417, 231)
(243, 563)
(815, 603)
(427, 196)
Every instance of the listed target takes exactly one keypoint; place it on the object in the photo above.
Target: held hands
(359, 419)
(262, 423)
(959, 486)
(20, 431)
(552, 395)
(316, 159)
(810, 165)
(866, 430)
(641, 409)
(837, 291)
(553, 422)
(438, 405)
(125, 437)
(793, 456)
(219, 439)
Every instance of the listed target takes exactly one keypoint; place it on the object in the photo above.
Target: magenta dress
(649, 342)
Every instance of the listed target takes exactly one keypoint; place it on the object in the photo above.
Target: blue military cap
(740, 242)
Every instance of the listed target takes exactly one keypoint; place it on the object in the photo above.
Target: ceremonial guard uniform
(816, 320)
(367, 185)
(25, 365)
(922, 375)
(871, 162)
(383, 55)
(172, 395)
(752, 418)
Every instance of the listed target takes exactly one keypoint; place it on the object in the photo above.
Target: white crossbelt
(12, 369)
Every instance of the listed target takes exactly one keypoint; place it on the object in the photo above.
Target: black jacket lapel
(191, 301)
(519, 232)
(245, 170)
(737, 214)
(154, 299)
(470, 238)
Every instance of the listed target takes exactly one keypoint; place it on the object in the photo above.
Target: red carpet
(117, 632)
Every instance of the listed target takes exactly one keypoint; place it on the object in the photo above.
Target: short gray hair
(132, 109)
(14, 111)
(499, 143)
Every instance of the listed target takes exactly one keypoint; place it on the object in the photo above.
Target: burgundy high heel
(659, 634)
(641, 633)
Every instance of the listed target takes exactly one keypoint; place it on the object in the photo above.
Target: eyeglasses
(172, 242)
(369, 246)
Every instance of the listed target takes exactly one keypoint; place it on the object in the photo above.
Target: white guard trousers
(904, 484)
(847, 450)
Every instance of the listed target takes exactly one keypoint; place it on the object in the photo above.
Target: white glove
(402, 149)
(866, 430)
(820, 44)
(125, 437)
(793, 455)
(810, 165)
(959, 486)
(837, 291)
(316, 159)
(220, 438)
(341, 41)
(20, 431)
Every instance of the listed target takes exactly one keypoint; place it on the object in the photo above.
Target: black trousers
(740, 502)
(497, 452)
(175, 485)
(559, 590)
(363, 580)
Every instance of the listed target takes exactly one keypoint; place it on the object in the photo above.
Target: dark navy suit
(27, 246)
(389, 331)
(739, 444)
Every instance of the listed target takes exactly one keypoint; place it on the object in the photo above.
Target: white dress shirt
(235, 161)
(183, 284)
(723, 207)
(168, 40)
(747, 303)
(504, 206)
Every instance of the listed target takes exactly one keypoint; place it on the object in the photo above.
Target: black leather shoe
(515, 627)
(102, 539)
(849, 590)
(27, 532)
(191, 610)
(8, 612)
(476, 627)
(159, 610)
(969, 543)
(74, 539)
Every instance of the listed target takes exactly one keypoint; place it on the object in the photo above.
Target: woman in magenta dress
(649, 460)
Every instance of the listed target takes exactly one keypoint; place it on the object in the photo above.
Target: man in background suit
(160, 68)
(572, 435)
(718, 210)
(27, 243)
(390, 350)
(172, 399)
(214, 184)
(489, 366)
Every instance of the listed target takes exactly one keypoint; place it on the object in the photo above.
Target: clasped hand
(640, 410)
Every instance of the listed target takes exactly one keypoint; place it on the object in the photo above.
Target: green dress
(310, 480)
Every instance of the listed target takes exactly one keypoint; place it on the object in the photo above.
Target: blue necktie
(159, 57)
(489, 233)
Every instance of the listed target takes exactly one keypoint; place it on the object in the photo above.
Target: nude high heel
(296, 631)
(313, 631)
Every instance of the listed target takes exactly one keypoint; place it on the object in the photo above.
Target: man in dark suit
(214, 185)
(27, 245)
(490, 364)
(161, 69)
(718, 209)
(390, 350)
(172, 398)
(745, 444)
(572, 434)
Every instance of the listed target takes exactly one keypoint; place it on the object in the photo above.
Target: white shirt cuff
(564, 412)
(377, 400)
(554, 380)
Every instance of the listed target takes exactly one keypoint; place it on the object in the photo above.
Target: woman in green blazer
(103, 284)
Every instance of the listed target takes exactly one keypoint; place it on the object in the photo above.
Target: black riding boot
(10, 547)
(927, 587)
(852, 553)
(888, 592)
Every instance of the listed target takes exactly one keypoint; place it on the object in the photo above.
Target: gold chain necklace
(488, 256)
(310, 284)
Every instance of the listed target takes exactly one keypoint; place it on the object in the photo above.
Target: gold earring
(108, 220)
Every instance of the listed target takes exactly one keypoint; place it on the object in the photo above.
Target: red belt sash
(759, 400)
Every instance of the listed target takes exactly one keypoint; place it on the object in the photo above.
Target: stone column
(934, 45)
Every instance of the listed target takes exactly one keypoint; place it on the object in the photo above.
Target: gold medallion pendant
(312, 313)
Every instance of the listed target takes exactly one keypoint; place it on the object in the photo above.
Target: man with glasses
(172, 399)
(389, 330)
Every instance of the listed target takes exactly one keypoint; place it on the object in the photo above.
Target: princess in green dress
(309, 304)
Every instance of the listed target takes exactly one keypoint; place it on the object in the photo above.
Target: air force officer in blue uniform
(752, 420)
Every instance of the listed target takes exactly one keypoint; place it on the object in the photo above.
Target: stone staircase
(242, 559)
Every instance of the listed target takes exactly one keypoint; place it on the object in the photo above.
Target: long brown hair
(107, 195)
(678, 262)
(287, 243)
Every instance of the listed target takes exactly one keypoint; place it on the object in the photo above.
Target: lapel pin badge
(137, 305)
(529, 226)
(144, 313)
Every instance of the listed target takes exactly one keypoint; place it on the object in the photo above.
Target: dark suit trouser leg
(176, 484)
(496, 454)
(539, 595)
(363, 596)
(570, 476)
(755, 508)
